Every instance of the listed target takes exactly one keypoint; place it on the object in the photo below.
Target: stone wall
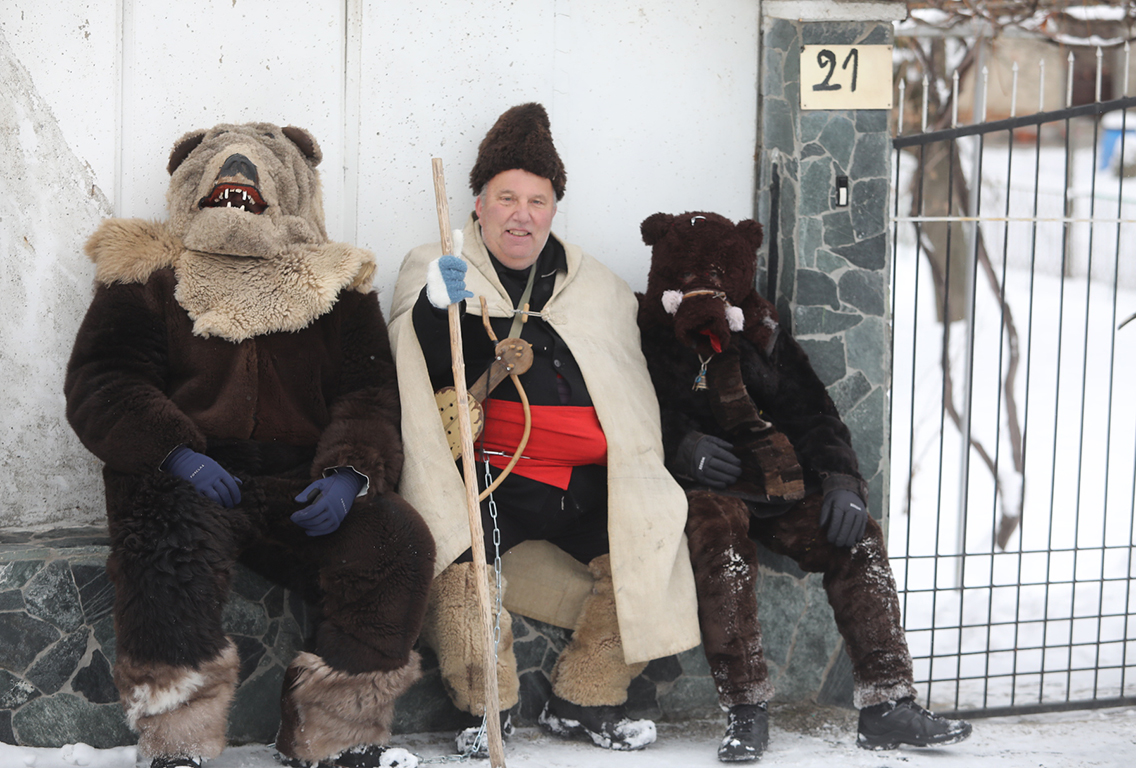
(57, 649)
(833, 269)
(57, 643)
(831, 292)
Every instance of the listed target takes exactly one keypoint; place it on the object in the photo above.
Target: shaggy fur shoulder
(130, 250)
(233, 297)
(237, 298)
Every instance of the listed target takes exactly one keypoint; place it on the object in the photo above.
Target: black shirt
(575, 519)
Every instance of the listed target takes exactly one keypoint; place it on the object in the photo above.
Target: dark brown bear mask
(703, 270)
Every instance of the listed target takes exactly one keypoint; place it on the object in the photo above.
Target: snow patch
(397, 757)
(638, 734)
(66, 756)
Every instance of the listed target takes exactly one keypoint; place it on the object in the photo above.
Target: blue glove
(330, 500)
(208, 477)
(445, 281)
(845, 515)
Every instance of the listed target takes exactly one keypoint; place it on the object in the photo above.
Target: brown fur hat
(703, 279)
(521, 138)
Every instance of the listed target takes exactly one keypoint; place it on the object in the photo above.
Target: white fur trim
(867, 695)
(671, 301)
(146, 701)
(459, 241)
(772, 325)
(436, 286)
(736, 318)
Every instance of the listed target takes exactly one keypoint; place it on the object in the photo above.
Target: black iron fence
(1014, 409)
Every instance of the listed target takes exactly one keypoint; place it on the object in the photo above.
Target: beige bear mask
(245, 238)
(246, 190)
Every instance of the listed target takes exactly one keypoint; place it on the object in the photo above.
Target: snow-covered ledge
(836, 10)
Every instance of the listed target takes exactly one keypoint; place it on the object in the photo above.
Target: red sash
(562, 437)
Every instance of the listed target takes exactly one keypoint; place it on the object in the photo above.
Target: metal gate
(1014, 409)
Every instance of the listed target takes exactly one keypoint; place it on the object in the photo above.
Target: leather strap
(522, 305)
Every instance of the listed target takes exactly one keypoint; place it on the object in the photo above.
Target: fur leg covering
(324, 711)
(453, 629)
(861, 590)
(725, 577)
(591, 671)
(375, 574)
(178, 711)
(171, 563)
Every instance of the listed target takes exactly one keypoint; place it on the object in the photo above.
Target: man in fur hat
(234, 373)
(590, 518)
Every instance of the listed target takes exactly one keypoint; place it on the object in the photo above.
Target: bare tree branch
(931, 55)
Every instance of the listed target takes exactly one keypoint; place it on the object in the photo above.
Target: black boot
(467, 741)
(747, 734)
(887, 725)
(607, 727)
(175, 762)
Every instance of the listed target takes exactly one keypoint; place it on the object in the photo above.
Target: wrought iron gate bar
(1018, 219)
(1009, 124)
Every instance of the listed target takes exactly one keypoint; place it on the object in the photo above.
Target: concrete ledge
(57, 650)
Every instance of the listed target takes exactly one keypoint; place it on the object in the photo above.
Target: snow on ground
(1082, 739)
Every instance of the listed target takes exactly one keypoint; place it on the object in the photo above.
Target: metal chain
(479, 741)
(496, 561)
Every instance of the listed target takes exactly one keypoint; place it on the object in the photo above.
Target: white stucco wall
(653, 108)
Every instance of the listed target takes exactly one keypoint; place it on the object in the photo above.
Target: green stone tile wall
(832, 292)
(57, 651)
(57, 643)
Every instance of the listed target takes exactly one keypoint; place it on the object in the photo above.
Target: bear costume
(234, 374)
(751, 433)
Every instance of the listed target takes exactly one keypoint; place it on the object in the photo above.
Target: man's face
(516, 216)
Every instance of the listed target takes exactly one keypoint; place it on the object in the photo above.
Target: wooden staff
(476, 533)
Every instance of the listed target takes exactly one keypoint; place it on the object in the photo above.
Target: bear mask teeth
(228, 195)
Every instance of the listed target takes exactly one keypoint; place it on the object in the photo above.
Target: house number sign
(846, 77)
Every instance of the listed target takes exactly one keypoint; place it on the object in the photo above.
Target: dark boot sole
(749, 757)
(891, 741)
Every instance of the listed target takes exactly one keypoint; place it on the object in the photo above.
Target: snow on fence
(1014, 421)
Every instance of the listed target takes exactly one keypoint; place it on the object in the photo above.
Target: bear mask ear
(752, 232)
(655, 226)
(306, 143)
(182, 148)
